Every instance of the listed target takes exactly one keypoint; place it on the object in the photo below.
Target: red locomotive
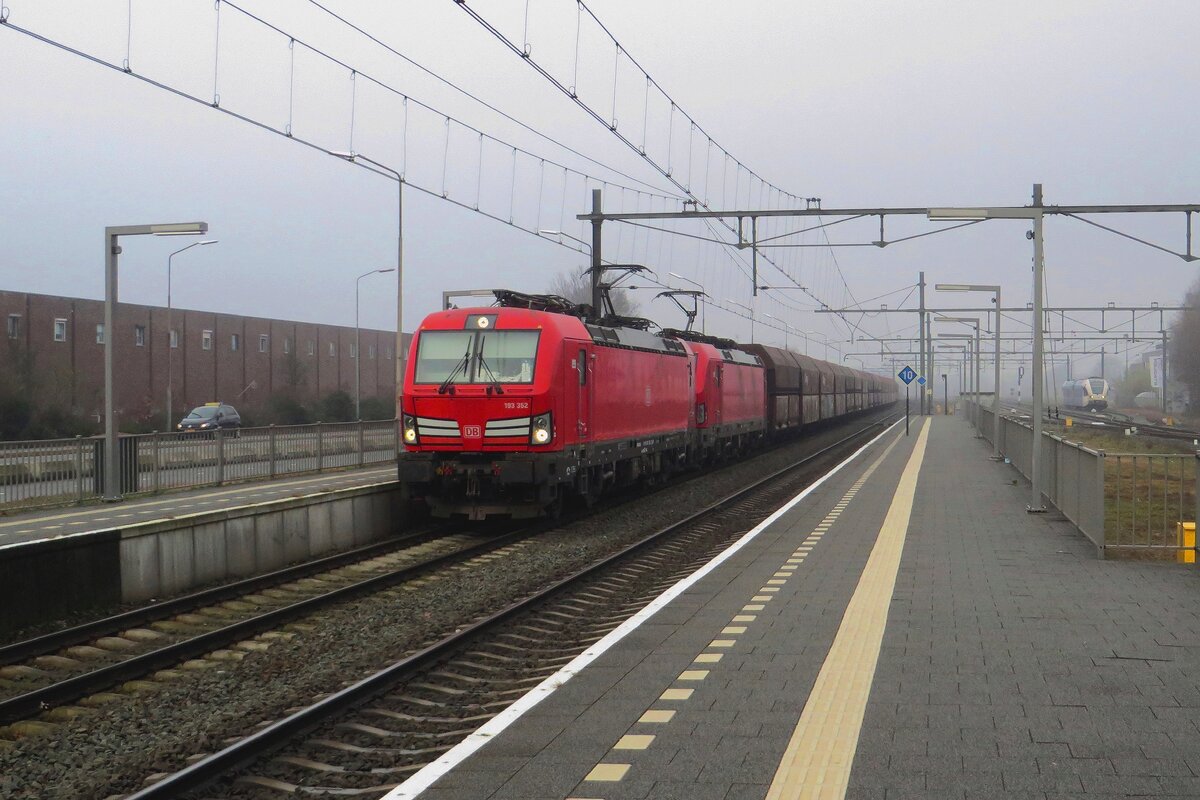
(511, 410)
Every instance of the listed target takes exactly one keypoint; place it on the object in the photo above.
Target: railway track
(1117, 421)
(225, 623)
(368, 736)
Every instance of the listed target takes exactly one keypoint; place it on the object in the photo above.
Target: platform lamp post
(964, 368)
(699, 286)
(974, 322)
(170, 350)
(357, 346)
(401, 353)
(946, 348)
(1034, 214)
(112, 249)
(994, 289)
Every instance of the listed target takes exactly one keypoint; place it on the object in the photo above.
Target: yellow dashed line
(607, 772)
(615, 772)
(633, 741)
(819, 756)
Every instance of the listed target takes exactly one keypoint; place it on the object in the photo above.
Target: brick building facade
(52, 351)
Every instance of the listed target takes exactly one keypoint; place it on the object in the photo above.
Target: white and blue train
(1090, 394)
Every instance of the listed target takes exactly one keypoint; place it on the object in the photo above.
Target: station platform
(903, 630)
(51, 523)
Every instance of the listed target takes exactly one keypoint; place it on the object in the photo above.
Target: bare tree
(577, 287)
(1185, 344)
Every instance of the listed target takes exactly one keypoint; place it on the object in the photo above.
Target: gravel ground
(112, 749)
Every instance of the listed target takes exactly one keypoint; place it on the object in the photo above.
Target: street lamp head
(386, 269)
(208, 241)
(966, 287)
(179, 229)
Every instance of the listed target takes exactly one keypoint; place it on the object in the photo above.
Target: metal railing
(1147, 496)
(1118, 500)
(56, 471)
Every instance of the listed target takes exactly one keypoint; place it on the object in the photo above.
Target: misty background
(858, 103)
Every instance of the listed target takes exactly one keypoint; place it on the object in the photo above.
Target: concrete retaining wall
(52, 579)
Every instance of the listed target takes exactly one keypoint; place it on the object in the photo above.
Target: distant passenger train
(1090, 394)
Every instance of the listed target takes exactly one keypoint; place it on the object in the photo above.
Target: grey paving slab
(1014, 663)
(724, 741)
(1040, 666)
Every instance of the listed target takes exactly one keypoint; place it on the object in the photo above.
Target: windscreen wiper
(495, 381)
(459, 367)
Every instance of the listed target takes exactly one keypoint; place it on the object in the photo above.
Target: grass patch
(1145, 496)
(1110, 442)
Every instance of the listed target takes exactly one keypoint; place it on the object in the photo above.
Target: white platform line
(427, 775)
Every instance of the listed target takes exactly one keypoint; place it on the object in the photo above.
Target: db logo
(472, 432)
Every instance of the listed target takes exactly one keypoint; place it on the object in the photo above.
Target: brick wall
(70, 374)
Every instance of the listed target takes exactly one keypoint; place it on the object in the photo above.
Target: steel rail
(24, 705)
(78, 634)
(253, 746)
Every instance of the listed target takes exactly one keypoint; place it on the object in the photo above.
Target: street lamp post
(824, 340)
(357, 346)
(401, 354)
(751, 312)
(786, 328)
(572, 238)
(994, 289)
(170, 350)
(699, 286)
(112, 234)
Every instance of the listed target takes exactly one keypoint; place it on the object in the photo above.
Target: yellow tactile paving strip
(817, 762)
(609, 772)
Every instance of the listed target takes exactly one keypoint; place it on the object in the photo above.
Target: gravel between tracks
(112, 749)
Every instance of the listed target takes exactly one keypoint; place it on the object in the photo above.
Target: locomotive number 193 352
(516, 405)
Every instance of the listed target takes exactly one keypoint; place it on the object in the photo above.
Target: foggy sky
(860, 103)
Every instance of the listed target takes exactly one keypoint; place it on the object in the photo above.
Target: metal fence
(1118, 500)
(55, 471)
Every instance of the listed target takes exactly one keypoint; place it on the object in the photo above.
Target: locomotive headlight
(542, 431)
(410, 430)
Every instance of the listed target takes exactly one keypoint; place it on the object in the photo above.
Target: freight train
(512, 410)
(1090, 394)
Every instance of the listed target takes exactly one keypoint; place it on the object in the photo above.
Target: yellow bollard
(1185, 533)
(1069, 422)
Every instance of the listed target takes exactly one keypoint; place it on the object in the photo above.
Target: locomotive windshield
(465, 357)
